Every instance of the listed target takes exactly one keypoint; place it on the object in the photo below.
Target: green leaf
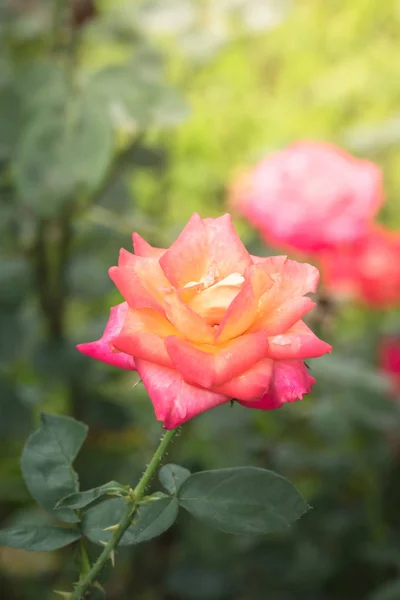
(150, 520)
(82, 499)
(36, 538)
(47, 459)
(136, 96)
(153, 519)
(62, 153)
(242, 500)
(42, 86)
(172, 476)
(390, 591)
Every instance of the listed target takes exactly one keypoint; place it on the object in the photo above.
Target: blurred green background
(128, 116)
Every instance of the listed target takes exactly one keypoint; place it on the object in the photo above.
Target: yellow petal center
(211, 303)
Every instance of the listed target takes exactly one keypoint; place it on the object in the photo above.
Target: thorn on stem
(112, 558)
(112, 528)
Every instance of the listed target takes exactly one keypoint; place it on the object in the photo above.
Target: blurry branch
(82, 11)
(50, 258)
(40, 270)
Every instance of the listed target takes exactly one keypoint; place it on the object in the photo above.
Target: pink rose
(368, 271)
(205, 322)
(312, 196)
(389, 361)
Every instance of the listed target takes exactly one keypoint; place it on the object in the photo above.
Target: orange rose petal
(191, 325)
(186, 259)
(212, 303)
(227, 253)
(141, 281)
(292, 278)
(142, 336)
(146, 346)
(298, 342)
(206, 249)
(190, 291)
(239, 316)
(174, 400)
(143, 248)
(211, 366)
(282, 317)
(252, 384)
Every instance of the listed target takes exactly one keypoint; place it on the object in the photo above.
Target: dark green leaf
(47, 459)
(82, 499)
(242, 500)
(38, 538)
(151, 519)
(172, 476)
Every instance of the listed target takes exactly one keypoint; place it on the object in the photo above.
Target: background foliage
(118, 117)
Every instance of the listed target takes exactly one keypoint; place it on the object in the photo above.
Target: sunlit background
(129, 116)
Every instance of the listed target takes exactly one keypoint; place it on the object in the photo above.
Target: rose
(312, 196)
(368, 271)
(204, 322)
(389, 361)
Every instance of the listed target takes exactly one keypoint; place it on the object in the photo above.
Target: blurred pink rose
(312, 196)
(389, 360)
(205, 322)
(368, 271)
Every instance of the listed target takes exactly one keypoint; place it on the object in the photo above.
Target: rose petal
(298, 342)
(290, 381)
(191, 325)
(140, 280)
(206, 250)
(143, 248)
(252, 384)
(310, 196)
(103, 349)
(291, 277)
(211, 366)
(240, 314)
(143, 335)
(368, 271)
(227, 253)
(173, 399)
(281, 318)
(389, 361)
(213, 302)
(185, 260)
(126, 258)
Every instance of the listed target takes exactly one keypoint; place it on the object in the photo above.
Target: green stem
(86, 582)
(84, 558)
